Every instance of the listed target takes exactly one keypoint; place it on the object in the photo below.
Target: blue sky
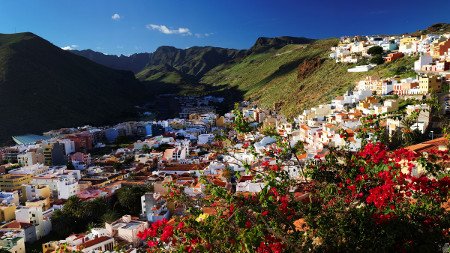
(130, 26)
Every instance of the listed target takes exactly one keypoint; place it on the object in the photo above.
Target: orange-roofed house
(436, 144)
(393, 56)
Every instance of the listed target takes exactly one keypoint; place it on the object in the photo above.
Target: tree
(375, 50)
(270, 131)
(377, 59)
(241, 125)
(129, 199)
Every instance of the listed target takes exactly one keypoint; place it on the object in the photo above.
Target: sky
(132, 26)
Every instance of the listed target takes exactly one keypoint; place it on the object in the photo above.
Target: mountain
(438, 28)
(263, 43)
(164, 73)
(293, 77)
(178, 65)
(134, 62)
(191, 63)
(43, 87)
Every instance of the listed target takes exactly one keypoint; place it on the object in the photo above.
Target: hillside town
(42, 175)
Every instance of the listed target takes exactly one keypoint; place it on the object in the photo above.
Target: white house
(37, 217)
(127, 229)
(424, 59)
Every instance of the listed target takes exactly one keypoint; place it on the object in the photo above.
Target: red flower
(248, 224)
(274, 191)
(180, 225)
(362, 170)
(264, 213)
(275, 167)
(152, 244)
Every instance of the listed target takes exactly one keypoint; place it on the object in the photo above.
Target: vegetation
(184, 66)
(272, 77)
(76, 215)
(134, 62)
(375, 50)
(377, 59)
(129, 199)
(64, 89)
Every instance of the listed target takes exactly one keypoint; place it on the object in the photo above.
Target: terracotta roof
(94, 241)
(428, 145)
(302, 156)
(184, 167)
(16, 224)
(219, 182)
(245, 178)
(305, 127)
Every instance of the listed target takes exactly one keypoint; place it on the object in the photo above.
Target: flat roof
(29, 139)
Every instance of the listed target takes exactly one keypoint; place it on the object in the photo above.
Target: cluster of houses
(40, 173)
(352, 49)
(423, 84)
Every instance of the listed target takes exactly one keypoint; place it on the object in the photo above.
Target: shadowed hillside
(43, 87)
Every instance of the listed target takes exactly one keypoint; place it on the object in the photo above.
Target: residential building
(83, 141)
(13, 182)
(54, 154)
(29, 158)
(31, 192)
(127, 228)
(408, 45)
(26, 230)
(440, 48)
(9, 197)
(34, 170)
(429, 83)
(393, 56)
(154, 207)
(69, 146)
(12, 241)
(7, 212)
(424, 59)
(36, 216)
(62, 182)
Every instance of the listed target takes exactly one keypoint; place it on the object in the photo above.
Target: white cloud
(166, 30)
(69, 47)
(116, 17)
(203, 35)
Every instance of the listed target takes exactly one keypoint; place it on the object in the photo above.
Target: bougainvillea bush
(373, 200)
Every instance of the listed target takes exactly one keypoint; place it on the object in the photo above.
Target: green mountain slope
(134, 62)
(294, 77)
(263, 43)
(43, 87)
(185, 65)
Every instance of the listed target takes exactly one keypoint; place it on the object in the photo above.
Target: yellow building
(408, 45)
(43, 203)
(13, 182)
(31, 192)
(427, 84)
(7, 212)
(367, 102)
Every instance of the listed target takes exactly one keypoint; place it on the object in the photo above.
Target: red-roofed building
(427, 146)
(102, 244)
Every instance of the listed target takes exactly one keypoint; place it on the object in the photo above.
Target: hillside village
(42, 173)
